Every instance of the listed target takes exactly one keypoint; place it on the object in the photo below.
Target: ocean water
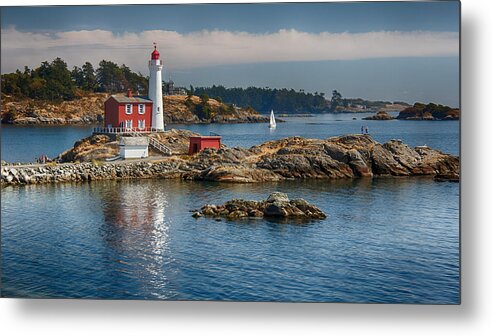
(25, 143)
(392, 240)
(384, 240)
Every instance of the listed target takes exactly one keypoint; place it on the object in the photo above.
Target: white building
(134, 147)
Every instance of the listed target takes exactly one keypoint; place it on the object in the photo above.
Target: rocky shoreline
(89, 110)
(348, 156)
(381, 115)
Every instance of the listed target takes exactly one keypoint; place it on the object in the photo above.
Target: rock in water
(276, 205)
(278, 197)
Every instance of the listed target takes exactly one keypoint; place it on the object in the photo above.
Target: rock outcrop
(102, 146)
(381, 115)
(346, 156)
(89, 109)
(276, 205)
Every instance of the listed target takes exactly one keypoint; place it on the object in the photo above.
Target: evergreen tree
(78, 76)
(90, 81)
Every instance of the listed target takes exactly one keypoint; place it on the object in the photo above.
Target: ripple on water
(385, 240)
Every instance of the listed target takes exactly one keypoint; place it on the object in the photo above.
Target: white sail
(273, 124)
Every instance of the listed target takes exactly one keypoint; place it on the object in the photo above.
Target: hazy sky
(393, 51)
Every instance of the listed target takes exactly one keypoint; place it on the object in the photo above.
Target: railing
(160, 147)
(154, 143)
(137, 132)
(119, 130)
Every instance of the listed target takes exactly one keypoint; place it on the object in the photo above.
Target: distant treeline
(266, 99)
(55, 82)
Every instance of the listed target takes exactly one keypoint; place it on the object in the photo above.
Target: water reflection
(136, 228)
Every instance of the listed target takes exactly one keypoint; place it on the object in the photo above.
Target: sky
(405, 51)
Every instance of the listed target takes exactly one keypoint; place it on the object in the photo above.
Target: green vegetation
(265, 99)
(286, 101)
(336, 100)
(55, 82)
(202, 110)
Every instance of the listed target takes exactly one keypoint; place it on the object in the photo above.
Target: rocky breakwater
(90, 171)
(276, 205)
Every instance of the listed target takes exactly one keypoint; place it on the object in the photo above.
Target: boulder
(278, 197)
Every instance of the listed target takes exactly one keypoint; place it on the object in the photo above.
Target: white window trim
(141, 124)
(128, 124)
(143, 108)
(126, 108)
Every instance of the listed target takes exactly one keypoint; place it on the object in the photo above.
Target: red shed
(128, 111)
(198, 143)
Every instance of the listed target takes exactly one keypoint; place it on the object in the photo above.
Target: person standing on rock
(362, 129)
(367, 130)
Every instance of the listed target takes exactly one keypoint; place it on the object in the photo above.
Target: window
(141, 108)
(128, 108)
(141, 124)
(128, 123)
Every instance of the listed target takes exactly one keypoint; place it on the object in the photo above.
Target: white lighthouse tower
(155, 90)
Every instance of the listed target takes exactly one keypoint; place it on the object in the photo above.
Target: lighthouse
(155, 90)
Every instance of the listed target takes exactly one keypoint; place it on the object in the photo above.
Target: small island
(430, 111)
(381, 115)
(277, 205)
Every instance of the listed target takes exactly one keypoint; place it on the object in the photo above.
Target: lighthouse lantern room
(123, 113)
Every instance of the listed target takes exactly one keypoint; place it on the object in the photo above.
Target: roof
(134, 141)
(121, 98)
(206, 137)
(155, 54)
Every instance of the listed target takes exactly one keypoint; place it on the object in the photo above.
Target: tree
(204, 98)
(58, 81)
(90, 80)
(78, 76)
(109, 77)
(336, 100)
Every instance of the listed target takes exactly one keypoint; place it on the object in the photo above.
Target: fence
(122, 130)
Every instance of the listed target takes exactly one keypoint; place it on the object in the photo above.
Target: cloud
(208, 48)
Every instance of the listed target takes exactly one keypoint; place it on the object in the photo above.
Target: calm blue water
(25, 143)
(385, 240)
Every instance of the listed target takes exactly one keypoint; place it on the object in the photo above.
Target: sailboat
(273, 123)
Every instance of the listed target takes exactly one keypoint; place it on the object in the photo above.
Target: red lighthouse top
(155, 54)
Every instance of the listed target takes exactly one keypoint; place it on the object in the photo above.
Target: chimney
(130, 93)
